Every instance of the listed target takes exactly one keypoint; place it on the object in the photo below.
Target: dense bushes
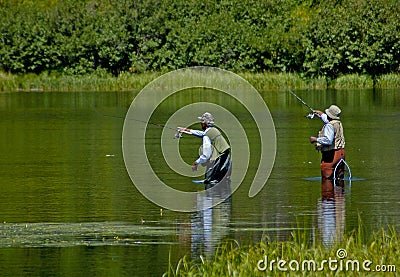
(354, 37)
(314, 38)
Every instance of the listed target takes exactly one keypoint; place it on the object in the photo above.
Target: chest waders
(221, 167)
(332, 166)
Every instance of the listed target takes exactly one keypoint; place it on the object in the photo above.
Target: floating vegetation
(82, 234)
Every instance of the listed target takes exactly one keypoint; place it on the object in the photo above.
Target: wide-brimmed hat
(333, 112)
(207, 118)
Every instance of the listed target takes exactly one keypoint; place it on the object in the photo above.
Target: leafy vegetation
(312, 38)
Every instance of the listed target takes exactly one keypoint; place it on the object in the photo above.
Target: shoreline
(126, 81)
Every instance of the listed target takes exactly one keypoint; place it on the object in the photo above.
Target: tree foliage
(314, 38)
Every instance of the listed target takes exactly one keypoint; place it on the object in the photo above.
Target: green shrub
(312, 38)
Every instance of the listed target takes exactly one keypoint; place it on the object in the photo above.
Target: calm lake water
(69, 208)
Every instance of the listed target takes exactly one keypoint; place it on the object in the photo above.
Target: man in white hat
(330, 140)
(215, 151)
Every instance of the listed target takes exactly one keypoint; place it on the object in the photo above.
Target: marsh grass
(98, 81)
(389, 80)
(102, 81)
(271, 80)
(353, 81)
(231, 259)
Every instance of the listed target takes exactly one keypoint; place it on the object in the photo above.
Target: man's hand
(194, 166)
(183, 130)
(317, 112)
(313, 139)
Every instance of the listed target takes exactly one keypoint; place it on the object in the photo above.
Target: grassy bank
(92, 82)
(355, 255)
(135, 82)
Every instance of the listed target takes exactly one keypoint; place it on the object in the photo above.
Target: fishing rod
(311, 115)
(177, 135)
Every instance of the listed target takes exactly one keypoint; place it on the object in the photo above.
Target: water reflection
(331, 211)
(210, 226)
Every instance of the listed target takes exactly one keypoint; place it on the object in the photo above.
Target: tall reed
(355, 254)
(101, 81)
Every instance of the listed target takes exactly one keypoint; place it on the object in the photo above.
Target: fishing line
(177, 133)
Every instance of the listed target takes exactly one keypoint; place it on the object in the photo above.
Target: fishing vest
(218, 141)
(338, 140)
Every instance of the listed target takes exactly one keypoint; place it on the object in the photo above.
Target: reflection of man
(209, 226)
(332, 212)
(215, 153)
(330, 140)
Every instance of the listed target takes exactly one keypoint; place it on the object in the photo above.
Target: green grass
(101, 81)
(57, 82)
(232, 259)
(354, 81)
(270, 80)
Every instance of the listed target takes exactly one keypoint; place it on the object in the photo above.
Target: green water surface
(69, 208)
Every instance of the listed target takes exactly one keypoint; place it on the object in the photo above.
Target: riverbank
(298, 256)
(135, 82)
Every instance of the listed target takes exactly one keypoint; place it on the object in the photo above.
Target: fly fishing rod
(311, 115)
(177, 135)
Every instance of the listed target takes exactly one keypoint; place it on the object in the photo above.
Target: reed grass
(59, 82)
(232, 259)
(389, 80)
(354, 81)
(271, 80)
(101, 81)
